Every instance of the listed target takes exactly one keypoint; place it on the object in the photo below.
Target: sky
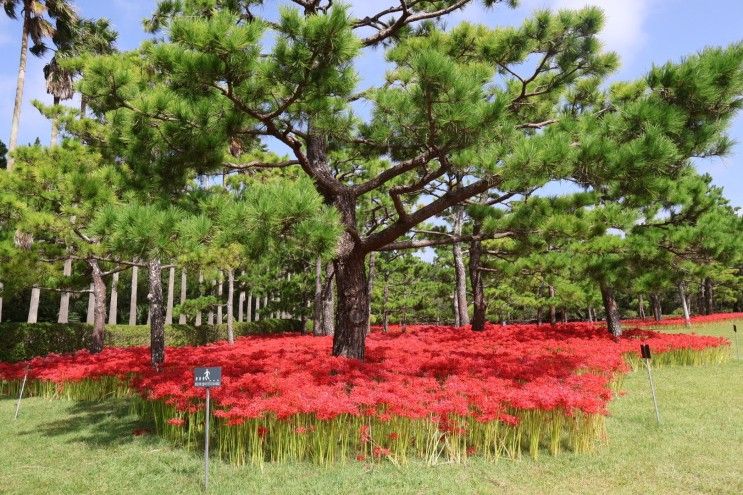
(642, 32)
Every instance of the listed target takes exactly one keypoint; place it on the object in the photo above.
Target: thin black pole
(206, 443)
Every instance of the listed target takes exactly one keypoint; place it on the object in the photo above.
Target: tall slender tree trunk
(317, 324)
(257, 308)
(157, 314)
(171, 296)
(590, 314)
(230, 303)
(249, 308)
(641, 302)
(133, 296)
(113, 307)
(33, 307)
(184, 288)
(64, 300)
(201, 293)
(385, 313)
(20, 83)
(613, 322)
(460, 276)
(476, 280)
(684, 304)
(90, 318)
(709, 306)
(553, 310)
(328, 301)
(241, 306)
(372, 257)
(99, 307)
(455, 299)
(657, 310)
(210, 314)
(220, 297)
(539, 316)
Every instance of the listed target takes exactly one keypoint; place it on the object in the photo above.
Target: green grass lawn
(60, 446)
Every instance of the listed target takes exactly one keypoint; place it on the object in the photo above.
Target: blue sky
(643, 32)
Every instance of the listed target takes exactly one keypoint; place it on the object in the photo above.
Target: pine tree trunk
(553, 310)
(55, 126)
(241, 306)
(184, 287)
(257, 308)
(478, 288)
(220, 297)
(349, 339)
(317, 324)
(171, 296)
(113, 307)
(201, 293)
(590, 314)
(33, 307)
(539, 316)
(249, 316)
(657, 310)
(684, 304)
(90, 318)
(372, 257)
(210, 314)
(460, 276)
(20, 82)
(613, 323)
(99, 307)
(709, 306)
(328, 309)
(385, 314)
(133, 296)
(64, 300)
(157, 315)
(455, 299)
(230, 303)
(641, 302)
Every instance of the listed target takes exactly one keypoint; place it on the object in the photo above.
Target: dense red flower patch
(679, 320)
(422, 372)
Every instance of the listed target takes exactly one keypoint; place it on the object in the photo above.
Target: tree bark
(171, 296)
(133, 296)
(114, 304)
(613, 323)
(684, 304)
(478, 288)
(210, 313)
(33, 307)
(385, 313)
(553, 310)
(369, 290)
(657, 310)
(241, 306)
(328, 296)
(20, 83)
(201, 293)
(459, 271)
(90, 318)
(641, 303)
(230, 303)
(184, 288)
(709, 306)
(317, 324)
(249, 315)
(455, 299)
(590, 314)
(99, 307)
(257, 308)
(64, 300)
(220, 296)
(157, 315)
(353, 306)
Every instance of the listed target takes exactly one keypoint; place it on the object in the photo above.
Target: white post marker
(207, 378)
(20, 396)
(645, 352)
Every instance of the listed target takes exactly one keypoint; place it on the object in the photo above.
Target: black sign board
(645, 351)
(207, 377)
(735, 328)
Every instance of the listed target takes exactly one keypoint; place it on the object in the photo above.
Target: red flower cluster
(679, 320)
(421, 372)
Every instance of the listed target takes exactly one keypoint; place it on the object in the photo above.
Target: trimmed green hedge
(20, 341)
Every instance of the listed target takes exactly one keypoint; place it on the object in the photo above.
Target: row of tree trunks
(611, 309)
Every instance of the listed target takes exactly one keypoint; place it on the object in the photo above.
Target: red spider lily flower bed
(679, 320)
(425, 391)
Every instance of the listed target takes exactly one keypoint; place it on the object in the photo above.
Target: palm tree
(59, 85)
(38, 16)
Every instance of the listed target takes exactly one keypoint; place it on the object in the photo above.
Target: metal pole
(23, 385)
(206, 443)
(737, 348)
(652, 389)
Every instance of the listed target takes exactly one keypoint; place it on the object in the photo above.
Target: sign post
(207, 378)
(645, 352)
(20, 395)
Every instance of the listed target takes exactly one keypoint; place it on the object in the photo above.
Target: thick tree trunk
(184, 287)
(478, 288)
(90, 318)
(613, 323)
(553, 310)
(113, 307)
(460, 276)
(20, 83)
(349, 339)
(201, 293)
(157, 314)
(133, 296)
(64, 300)
(709, 306)
(99, 307)
(230, 303)
(641, 302)
(171, 296)
(33, 307)
(684, 304)
(657, 310)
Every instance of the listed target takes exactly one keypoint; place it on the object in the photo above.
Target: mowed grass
(60, 446)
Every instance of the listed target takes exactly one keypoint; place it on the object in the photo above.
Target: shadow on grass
(102, 424)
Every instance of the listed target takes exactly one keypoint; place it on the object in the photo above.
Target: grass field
(60, 446)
